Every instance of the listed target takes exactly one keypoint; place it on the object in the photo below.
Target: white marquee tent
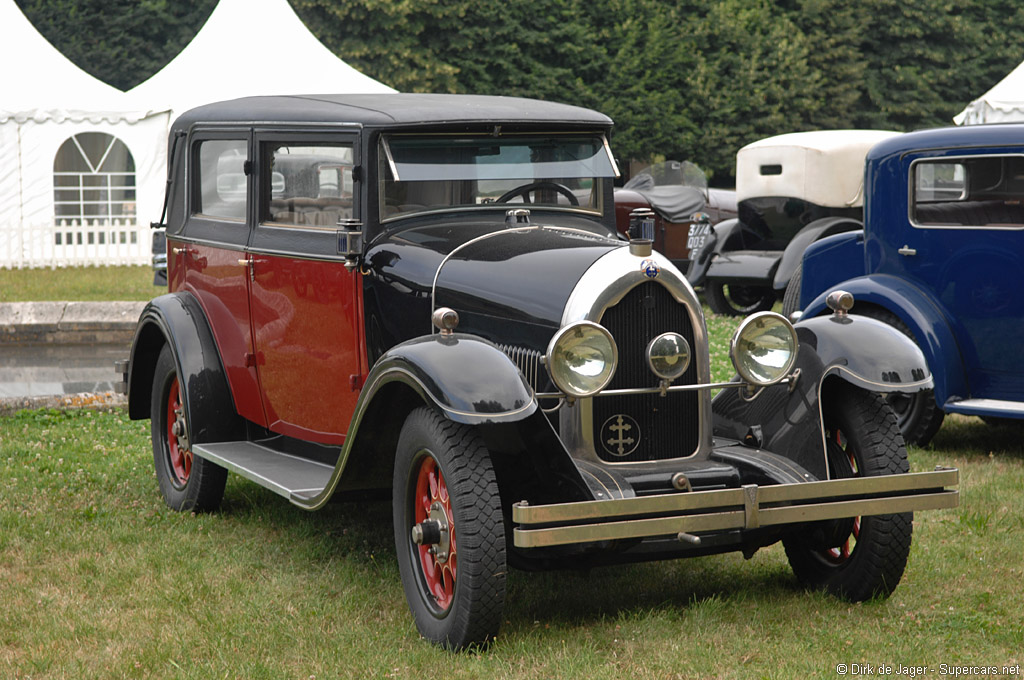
(251, 47)
(1004, 103)
(79, 157)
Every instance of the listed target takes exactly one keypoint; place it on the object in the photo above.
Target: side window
(982, 191)
(221, 178)
(310, 185)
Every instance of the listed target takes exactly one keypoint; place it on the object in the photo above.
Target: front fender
(865, 352)
(467, 378)
(818, 229)
(922, 315)
(177, 319)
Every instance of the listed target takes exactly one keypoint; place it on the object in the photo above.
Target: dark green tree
(121, 42)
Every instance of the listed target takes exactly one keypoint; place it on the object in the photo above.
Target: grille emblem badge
(620, 435)
(650, 268)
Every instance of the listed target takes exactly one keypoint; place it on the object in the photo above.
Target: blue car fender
(922, 315)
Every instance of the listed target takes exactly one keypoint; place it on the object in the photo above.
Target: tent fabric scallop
(1004, 103)
(252, 47)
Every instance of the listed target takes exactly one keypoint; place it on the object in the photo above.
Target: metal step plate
(282, 473)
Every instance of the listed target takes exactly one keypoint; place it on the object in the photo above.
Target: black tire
(188, 483)
(460, 607)
(917, 414)
(735, 300)
(791, 298)
(869, 554)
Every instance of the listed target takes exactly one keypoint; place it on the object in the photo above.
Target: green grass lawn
(78, 284)
(99, 579)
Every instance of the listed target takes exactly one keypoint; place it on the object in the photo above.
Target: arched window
(93, 178)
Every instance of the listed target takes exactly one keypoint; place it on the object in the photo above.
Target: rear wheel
(917, 414)
(449, 531)
(864, 557)
(187, 482)
(736, 300)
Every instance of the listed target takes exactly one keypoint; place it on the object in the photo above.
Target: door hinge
(356, 381)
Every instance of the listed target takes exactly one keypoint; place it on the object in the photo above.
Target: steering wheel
(525, 190)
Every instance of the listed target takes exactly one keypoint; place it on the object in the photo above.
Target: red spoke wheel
(449, 531)
(439, 561)
(186, 482)
(862, 557)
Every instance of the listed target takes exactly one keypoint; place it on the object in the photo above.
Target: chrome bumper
(748, 507)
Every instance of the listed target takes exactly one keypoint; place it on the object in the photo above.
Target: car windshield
(440, 172)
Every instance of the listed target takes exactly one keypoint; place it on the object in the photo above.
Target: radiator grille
(668, 426)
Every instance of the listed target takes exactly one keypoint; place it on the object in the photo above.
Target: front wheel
(736, 300)
(449, 531)
(186, 482)
(864, 557)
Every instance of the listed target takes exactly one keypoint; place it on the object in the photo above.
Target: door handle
(908, 251)
(251, 264)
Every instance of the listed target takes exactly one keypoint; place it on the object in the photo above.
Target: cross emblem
(619, 431)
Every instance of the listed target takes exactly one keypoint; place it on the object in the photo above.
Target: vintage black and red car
(427, 295)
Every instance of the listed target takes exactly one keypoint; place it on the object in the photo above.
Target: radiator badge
(620, 435)
(650, 268)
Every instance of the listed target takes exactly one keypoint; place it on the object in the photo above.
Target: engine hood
(509, 285)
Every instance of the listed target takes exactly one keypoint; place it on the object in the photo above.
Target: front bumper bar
(748, 507)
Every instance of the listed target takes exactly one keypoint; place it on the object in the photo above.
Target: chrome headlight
(581, 359)
(764, 348)
(668, 356)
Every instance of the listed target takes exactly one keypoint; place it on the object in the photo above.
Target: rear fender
(922, 315)
(745, 267)
(177, 319)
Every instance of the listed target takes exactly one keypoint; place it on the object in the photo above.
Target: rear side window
(310, 184)
(980, 191)
(221, 178)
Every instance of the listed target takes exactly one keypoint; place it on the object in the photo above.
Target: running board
(284, 474)
(986, 407)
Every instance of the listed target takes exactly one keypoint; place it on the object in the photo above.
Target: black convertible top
(390, 110)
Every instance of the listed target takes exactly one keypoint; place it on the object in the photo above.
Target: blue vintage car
(941, 257)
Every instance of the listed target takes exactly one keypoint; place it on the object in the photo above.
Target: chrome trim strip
(743, 508)
(602, 286)
(656, 390)
(987, 406)
(390, 159)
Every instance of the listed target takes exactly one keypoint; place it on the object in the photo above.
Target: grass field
(101, 580)
(77, 284)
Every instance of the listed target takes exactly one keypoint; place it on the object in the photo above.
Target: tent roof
(252, 47)
(1002, 104)
(39, 83)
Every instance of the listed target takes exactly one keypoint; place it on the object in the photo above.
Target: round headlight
(581, 358)
(764, 348)
(668, 355)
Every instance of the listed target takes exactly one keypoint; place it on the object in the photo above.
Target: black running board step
(284, 474)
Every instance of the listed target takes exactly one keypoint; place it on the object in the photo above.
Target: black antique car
(467, 331)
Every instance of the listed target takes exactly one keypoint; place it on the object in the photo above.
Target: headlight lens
(668, 355)
(581, 358)
(764, 348)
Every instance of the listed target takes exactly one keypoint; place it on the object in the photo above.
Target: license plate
(698, 235)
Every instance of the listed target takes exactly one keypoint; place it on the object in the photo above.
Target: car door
(210, 248)
(306, 305)
(966, 246)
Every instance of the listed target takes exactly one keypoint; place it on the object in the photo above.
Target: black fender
(786, 419)
(745, 267)
(178, 319)
(466, 378)
(816, 230)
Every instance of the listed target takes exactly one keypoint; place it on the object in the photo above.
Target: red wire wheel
(180, 459)
(861, 557)
(431, 492)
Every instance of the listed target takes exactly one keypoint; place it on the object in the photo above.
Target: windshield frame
(388, 168)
